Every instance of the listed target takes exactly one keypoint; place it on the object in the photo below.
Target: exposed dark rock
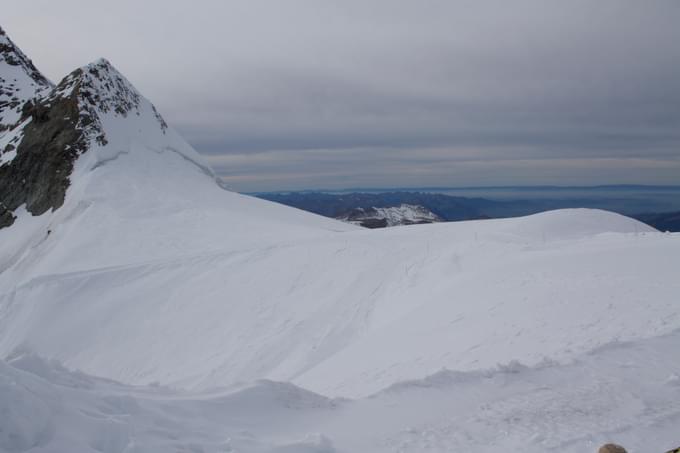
(14, 57)
(46, 128)
(161, 121)
(61, 127)
(50, 143)
(366, 222)
(365, 217)
(6, 217)
(55, 130)
(611, 448)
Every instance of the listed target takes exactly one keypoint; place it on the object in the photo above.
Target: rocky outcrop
(611, 448)
(46, 148)
(6, 217)
(39, 150)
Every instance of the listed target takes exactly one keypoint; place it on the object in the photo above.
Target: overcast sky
(302, 94)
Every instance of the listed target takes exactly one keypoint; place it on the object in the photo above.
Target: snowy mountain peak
(20, 81)
(100, 89)
(11, 55)
(94, 112)
(104, 88)
(404, 214)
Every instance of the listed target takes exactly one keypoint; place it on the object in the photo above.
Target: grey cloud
(285, 94)
(342, 168)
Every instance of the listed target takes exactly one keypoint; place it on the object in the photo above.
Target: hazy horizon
(671, 187)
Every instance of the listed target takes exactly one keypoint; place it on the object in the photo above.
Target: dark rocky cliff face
(46, 148)
(21, 85)
(40, 149)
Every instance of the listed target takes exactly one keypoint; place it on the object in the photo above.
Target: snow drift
(629, 392)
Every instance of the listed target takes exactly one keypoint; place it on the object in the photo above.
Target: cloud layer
(314, 93)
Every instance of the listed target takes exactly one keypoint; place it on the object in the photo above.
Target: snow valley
(144, 308)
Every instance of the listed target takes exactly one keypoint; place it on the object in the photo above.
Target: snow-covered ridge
(101, 90)
(116, 119)
(92, 117)
(628, 392)
(20, 81)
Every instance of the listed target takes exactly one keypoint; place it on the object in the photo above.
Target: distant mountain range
(369, 208)
(663, 221)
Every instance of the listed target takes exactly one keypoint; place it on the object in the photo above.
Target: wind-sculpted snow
(629, 392)
(50, 409)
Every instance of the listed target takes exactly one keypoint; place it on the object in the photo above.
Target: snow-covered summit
(379, 217)
(20, 81)
(94, 148)
(92, 116)
(101, 90)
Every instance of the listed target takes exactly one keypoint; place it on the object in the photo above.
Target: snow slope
(135, 164)
(151, 273)
(344, 314)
